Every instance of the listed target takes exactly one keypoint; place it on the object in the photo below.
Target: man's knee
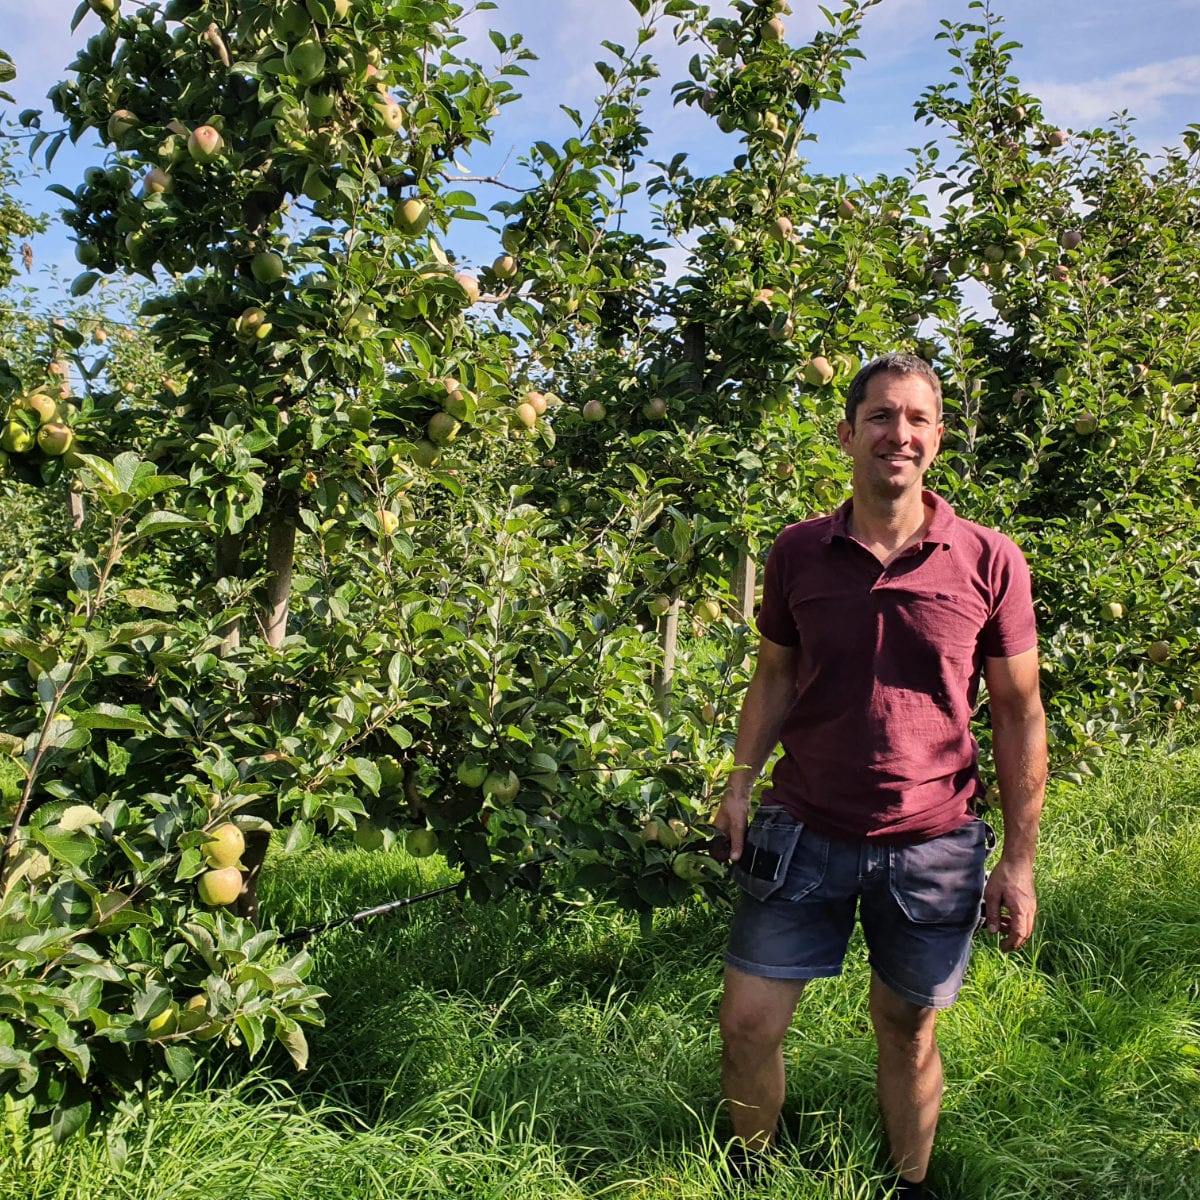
(898, 1023)
(756, 1013)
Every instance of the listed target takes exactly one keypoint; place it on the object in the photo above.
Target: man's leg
(909, 1078)
(755, 1015)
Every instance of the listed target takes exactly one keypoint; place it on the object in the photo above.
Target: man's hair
(894, 363)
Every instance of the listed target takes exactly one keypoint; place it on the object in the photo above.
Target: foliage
(563, 1052)
(367, 541)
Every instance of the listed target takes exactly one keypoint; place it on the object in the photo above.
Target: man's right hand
(731, 819)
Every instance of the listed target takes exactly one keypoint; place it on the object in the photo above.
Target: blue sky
(1084, 58)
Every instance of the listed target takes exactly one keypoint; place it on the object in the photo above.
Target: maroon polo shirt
(877, 743)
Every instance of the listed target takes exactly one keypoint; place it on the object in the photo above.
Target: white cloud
(1142, 90)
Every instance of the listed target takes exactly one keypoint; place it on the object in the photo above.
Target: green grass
(527, 1051)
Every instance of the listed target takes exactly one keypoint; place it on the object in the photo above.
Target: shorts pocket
(767, 854)
(940, 882)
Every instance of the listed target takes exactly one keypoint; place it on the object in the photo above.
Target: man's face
(895, 436)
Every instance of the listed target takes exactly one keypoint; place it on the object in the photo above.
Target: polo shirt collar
(941, 526)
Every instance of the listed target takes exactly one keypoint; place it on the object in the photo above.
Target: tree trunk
(281, 552)
(743, 587)
(668, 635)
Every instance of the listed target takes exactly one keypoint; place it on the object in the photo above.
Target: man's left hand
(1010, 903)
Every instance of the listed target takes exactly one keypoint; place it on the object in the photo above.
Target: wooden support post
(743, 587)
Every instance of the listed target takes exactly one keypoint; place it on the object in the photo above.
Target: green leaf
(161, 521)
(368, 772)
(148, 598)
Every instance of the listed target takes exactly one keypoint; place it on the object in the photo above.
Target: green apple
(219, 887)
(412, 217)
(306, 61)
(1159, 652)
(526, 415)
(707, 611)
(688, 867)
(421, 843)
(1113, 611)
(594, 410)
(442, 428)
(166, 1022)
(368, 836)
(16, 439)
(471, 774)
(774, 30)
(818, 371)
(224, 846)
(502, 786)
(267, 267)
(504, 267)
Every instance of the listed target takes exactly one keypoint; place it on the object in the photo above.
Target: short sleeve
(775, 620)
(1011, 629)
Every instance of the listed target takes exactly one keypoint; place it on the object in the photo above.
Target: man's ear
(845, 432)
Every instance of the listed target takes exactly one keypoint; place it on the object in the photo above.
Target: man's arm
(1019, 751)
(767, 701)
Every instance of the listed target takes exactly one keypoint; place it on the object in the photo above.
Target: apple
(205, 143)
(55, 439)
(1057, 138)
(654, 409)
(1059, 273)
(99, 335)
(762, 299)
(469, 284)
(727, 46)
(659, 605)
(224, 846)
(389, 114)
(594, 410)
(782, 327)
(306, 61)
(267, 267)
(412, 216)
(512, 237)
(471, 774)
(319, 105)
(156, 182)
(774, 30)
(538, 402)
(121, 123)
(421, 843)
(1086, 424)
(526, 415)
(706, 611)
(1113, 611)
(219, 887)
(993, 253)
(504, 267)
(47, 408)
(1159, 652)
(818, 371)
(1070, 238)
(326, 11)
(252, 325)
(688, 866)
(502, 786)
(442, 428)
(368, 836)
(784, 469)
(708, 714)
(780, 230)
(847, 208)
(426, 455)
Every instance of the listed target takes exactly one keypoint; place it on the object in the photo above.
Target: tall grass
(530, 1050)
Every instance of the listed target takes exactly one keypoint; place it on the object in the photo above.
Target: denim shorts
(919, 905)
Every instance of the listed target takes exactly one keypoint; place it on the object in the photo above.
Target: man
(877, 623)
